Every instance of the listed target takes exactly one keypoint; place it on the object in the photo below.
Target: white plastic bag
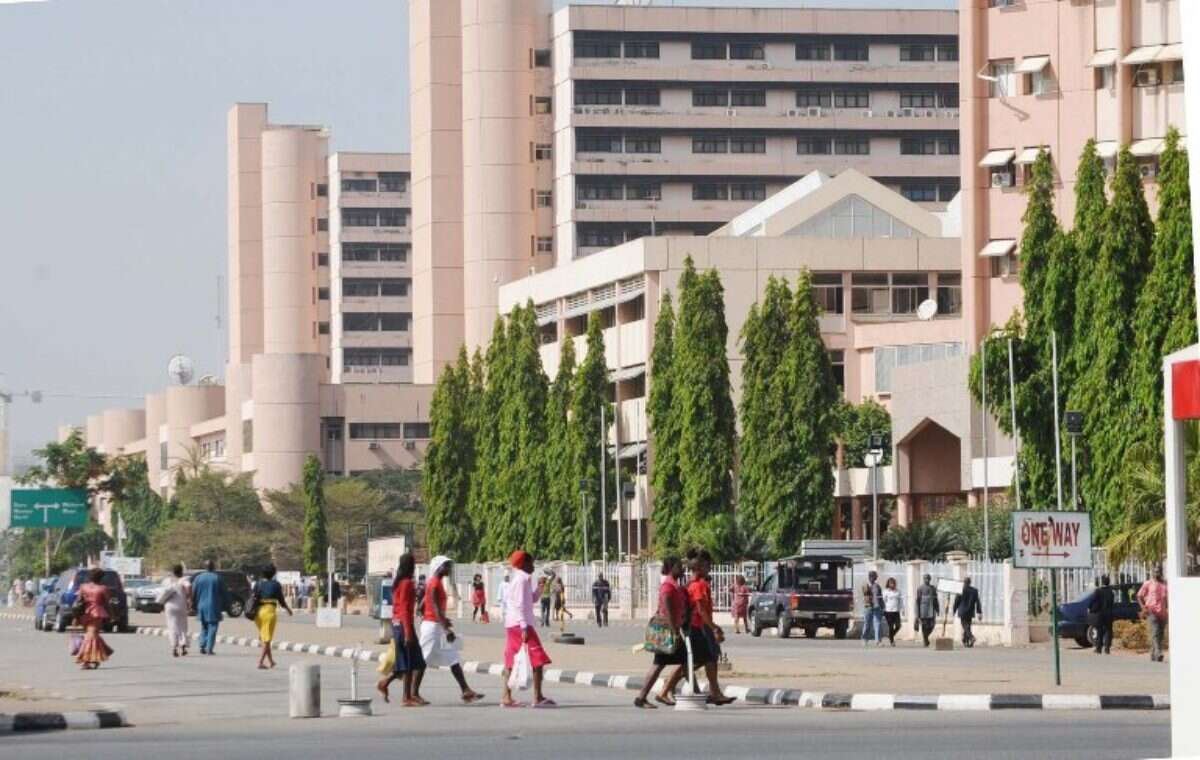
(522, 670)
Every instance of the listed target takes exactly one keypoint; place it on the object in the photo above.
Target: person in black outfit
(1100, 615)
(966, 606)
(601, 594)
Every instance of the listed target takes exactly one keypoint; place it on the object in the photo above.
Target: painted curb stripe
(1070, 702)
(915, 702)
(965, 702)
(836, 701)
(1126, 702)
(872, 702)
(1016, 702)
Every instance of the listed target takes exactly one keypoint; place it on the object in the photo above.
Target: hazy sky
(112, 170)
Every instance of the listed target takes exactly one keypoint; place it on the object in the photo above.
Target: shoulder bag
(251, 611)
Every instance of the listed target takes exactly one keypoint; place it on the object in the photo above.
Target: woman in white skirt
(175, 598)
(438, 641)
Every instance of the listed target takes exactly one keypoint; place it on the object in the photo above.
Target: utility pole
(1012, 404)
(987, 544)
(603, 477)
(1058, 490)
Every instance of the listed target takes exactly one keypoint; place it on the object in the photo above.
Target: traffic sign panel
(49, 508)
(1052, 539)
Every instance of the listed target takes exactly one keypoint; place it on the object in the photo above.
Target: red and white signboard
(1052, 539)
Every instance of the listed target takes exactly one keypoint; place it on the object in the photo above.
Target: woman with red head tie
(519, 625)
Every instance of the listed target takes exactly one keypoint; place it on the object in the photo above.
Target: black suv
(56, 613)
(239, 590)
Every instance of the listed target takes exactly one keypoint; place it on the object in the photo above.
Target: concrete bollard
(304, 694)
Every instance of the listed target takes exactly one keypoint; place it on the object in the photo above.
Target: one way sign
(1052, 539)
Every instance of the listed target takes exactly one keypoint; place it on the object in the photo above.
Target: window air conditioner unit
(891, 114)
(410, 445)
(908, 112)
(373, 445)
(868, 113)
(1147, 171)
(930, 113)
(731, 112)
(815, 111)
(1147, 77)
(1002, 179)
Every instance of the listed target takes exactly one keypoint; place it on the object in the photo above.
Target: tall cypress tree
(316, 541)
(485, 498)
(1165, 320)
(522, 435)
(557, 523)
(1103, 391)
(704, 408)
(664, 431)
(765, 337)
(1085, 238)
(588, 394)
(796, 487)
(449, 462)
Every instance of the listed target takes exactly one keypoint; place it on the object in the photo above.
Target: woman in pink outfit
(521, 631)
(741, 604)
(94, 595)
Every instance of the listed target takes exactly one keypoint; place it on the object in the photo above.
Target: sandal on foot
(513, 703)
(639, 702)
(545, 703)
(668, 701)
(472, 697)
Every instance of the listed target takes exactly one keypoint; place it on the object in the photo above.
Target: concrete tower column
(499, 177)
(973, 137)
(287, 416)
(245, 123)
(156, 416)
(293, 160)
(122, 427)
(435, 71)
(185, 406)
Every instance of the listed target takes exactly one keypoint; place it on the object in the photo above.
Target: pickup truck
(808, 593)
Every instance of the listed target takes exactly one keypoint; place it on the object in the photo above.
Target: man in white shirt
(502, 592)
(520, 629)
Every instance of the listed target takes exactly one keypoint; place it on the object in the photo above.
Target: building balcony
(856, 481)
(388, 374)
(833, 119)
(376, 268)
(375, 234)
(354, 339)
(376, 304)
(374, 200)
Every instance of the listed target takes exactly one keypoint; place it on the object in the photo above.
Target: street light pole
(1012, 403)
(603, 477)
(987, 546)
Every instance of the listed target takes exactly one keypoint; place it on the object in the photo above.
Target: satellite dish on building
(181, 369)
(927, 310)
(207, 380)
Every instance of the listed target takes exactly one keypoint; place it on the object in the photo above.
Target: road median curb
(36, 722)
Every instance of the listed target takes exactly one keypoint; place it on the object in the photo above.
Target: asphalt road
(222, 707)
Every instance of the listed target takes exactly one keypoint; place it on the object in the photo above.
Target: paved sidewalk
(819, 665)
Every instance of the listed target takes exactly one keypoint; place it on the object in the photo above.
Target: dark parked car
(239, 590)
(1073, 616)
(48, 587)
(56, 612)
(808, 593)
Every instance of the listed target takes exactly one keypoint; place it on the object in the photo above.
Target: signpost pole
(1012, 405)
(987, 545)
(1058, 489)
(47, 532)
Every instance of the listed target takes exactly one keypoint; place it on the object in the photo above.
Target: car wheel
(60, 623)
(1092, 635)
(810, 631)
(236, 608)
(783, 629)
(1083, 642)
(37, 622)
(47, 623)
(756, 627)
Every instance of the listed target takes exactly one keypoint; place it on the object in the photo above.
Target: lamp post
(583, 485)
(1074, 425)
(872, 458)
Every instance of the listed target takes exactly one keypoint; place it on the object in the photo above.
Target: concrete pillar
(836, 529)
(122, 427)
(1016, 605)
(653, 579)
(293, 161)
(94, 432)
(185, 406)
(856, 519)
(156, 418)
(304, 691)
(286, 416)
(625, 600)
(958, 571)
(904, 510)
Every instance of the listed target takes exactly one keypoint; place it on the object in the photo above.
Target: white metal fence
(1074, 583)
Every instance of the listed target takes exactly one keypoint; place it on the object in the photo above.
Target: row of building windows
(385, 321)
(930, 192)
(720, 50)
(808, 145)
(363, 287)
(887, 293)
(389, 431)
(756, 97)
(384, 182)
(371, 252)
(729, 191)
(601, 189)
(376, 357)
(618, 190)
(374, 217)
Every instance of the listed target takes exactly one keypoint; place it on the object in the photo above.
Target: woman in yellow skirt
(268, 595)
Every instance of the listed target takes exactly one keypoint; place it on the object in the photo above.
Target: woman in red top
(94, 595)
(437, 632)
(672, 604)
(409, 664)
(705, 635)
(741, 603)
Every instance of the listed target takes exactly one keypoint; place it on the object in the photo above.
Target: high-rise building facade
(1045, 74)
(674, 120)
(370, 268)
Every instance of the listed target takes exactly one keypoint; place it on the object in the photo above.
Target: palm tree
(1143, 532)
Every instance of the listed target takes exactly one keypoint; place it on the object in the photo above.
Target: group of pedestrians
(689, 611)
(883, 608)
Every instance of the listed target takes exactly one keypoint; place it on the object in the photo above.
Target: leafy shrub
(922, 540)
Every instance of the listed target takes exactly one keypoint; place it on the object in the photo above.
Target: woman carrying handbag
(267, 595)
(664, 635)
